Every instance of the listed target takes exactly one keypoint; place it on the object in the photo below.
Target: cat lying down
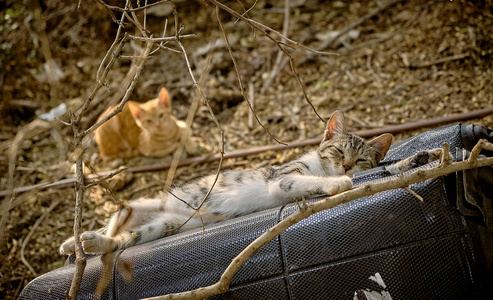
(147, 129)
(325, 170)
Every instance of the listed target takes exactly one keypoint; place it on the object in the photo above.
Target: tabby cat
(326, 170)
(146, 129)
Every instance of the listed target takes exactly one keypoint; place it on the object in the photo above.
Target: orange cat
(146, 129)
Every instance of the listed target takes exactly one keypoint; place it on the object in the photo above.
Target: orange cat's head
(154, 115)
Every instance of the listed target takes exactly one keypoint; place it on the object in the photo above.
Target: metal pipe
(239, 153)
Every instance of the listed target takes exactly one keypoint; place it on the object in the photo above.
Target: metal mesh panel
(437, 268)
(382, 220)
(53, 285)
(266, 289)
(191, 260)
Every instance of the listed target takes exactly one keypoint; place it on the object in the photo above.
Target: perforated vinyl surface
(192, 260)
(376, 222)
(422, 250)
(53, 285)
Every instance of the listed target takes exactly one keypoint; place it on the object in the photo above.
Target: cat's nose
(347, 167)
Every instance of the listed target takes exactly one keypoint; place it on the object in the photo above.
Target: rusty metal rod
(239, 153)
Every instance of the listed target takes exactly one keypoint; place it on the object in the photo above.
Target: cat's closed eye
(337, 150)
(363, 163)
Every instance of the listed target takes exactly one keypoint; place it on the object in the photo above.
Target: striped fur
(326, 170)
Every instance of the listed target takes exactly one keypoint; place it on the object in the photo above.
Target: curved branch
(265, 29)
(240, 82)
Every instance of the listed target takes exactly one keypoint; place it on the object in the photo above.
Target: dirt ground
(411, 61)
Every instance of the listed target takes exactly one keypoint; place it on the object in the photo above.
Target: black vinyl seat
(389, 243)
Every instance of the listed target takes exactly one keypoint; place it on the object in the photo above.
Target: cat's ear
(381, 144)
(164, 98)
(335, 125)
(135, 110)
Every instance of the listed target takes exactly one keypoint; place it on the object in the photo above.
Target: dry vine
(402, 181)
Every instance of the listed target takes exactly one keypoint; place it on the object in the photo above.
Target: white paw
(338, 185)
(68, 247)
(90, 241)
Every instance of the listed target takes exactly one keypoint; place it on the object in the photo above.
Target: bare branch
(293, 70)
(279, 64)
(80, 260)
(198, 95)
(33, 229)
(115, 50)
(119, 9)
(139, 68)
(163, 39)
(240, 82)
(265, 30)
(414, 194)
(358, 22)
(112, 174)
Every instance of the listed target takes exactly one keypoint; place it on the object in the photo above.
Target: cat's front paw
(425, 157)
(93, 242)
(417, 160)
(338, 185)
(68, 247)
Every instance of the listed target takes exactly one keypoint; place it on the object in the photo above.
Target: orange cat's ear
(335, 125)
(381, 144)
(164, 98)
(135, 110)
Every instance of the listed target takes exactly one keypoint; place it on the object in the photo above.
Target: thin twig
(358, 22)
(247, 10)
(278, 65)
(440, 61)
(163, 39)
(33, 229)
(238, 75)
(139, 67)
(266, 30)
(117, 40)
(199, 94)
(123, 10)
(414, 194)
(252, 97)
(115, 50)
(104, 178)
